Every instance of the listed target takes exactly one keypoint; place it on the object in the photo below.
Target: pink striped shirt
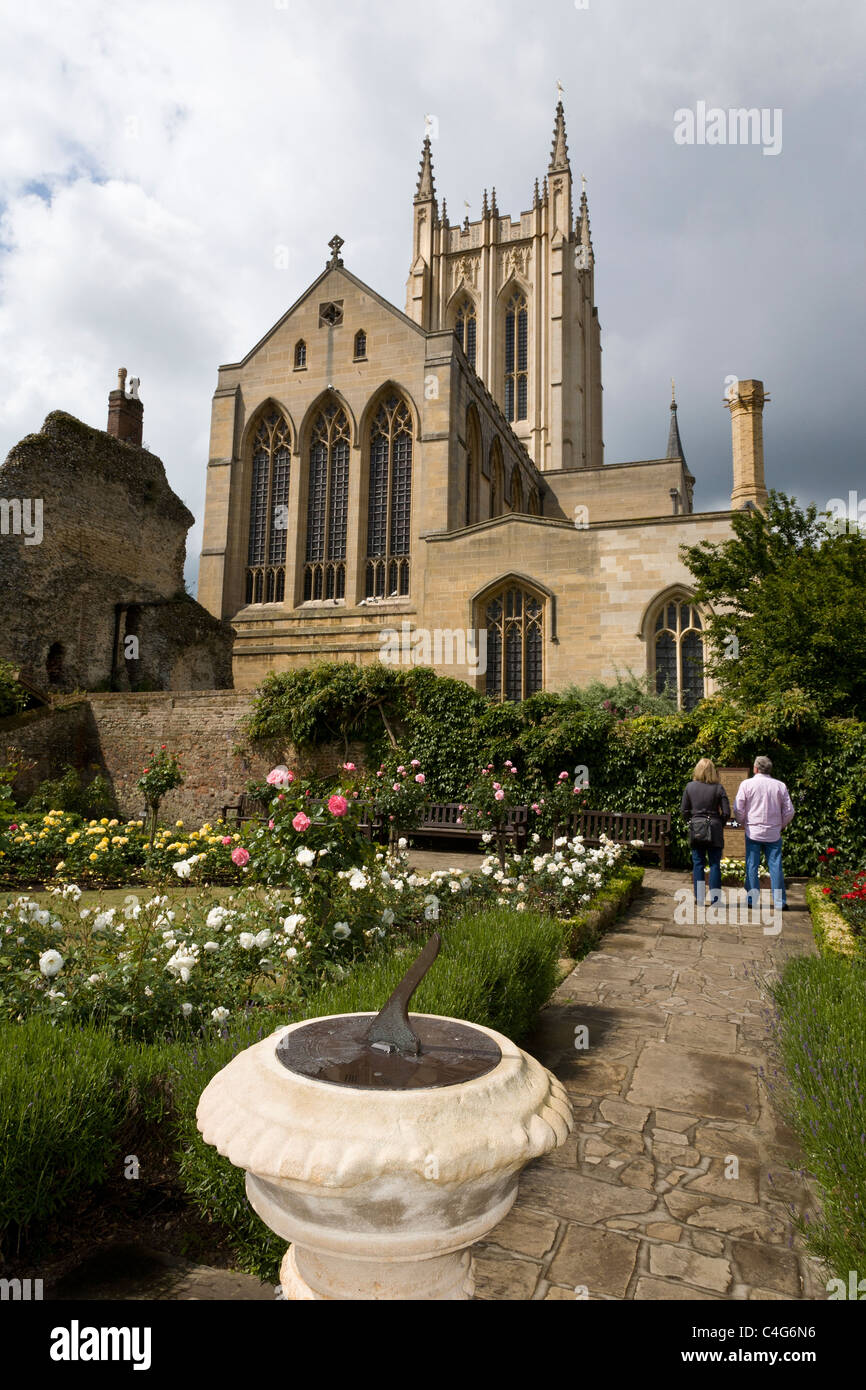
(763, 807)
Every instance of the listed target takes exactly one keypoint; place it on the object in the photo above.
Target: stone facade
(514, 559)
(97, 598)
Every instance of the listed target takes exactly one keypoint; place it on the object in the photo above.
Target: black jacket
(711, 798)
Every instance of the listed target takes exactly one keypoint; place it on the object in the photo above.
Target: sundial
(391, 1050)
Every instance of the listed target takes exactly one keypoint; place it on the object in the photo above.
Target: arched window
(389, 516)
(300, 353)
(513, 618)
(54, 663)
(269, 509)
(677, 652)
(327, 505)
(495, 479)
(532, 506)
(516, 491)
(360, 345)
(466, 328)
(516, 358)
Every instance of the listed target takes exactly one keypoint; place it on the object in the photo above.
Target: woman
(706, 808)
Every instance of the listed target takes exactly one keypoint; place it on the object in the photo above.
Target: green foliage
(821, 1040)
(788, 588)
(626, 698)
(13, 698)
(70, 792)
(327, 702)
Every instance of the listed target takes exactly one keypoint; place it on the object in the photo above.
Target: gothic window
(331, 314)
(678, 652)
(300, 353)
(514, 620)
(516, 358)
(269, 510)
(532, 505)
(466, 328)
(389, 518)
(360, 345)
(327, 506)
(473, 463)
(516, 492)
(496, 481)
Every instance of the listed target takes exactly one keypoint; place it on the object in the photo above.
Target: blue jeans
(773, 851)
(701, 854)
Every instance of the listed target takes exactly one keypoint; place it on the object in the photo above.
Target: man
(764, 807)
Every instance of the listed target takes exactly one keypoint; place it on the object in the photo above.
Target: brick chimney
(125, 412)
(746, 400)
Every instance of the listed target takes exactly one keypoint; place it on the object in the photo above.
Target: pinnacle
(426, 189)
(559, 151)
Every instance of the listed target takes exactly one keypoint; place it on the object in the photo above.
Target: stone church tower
(521, 297)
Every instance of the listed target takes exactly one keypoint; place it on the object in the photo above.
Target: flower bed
(845, 890)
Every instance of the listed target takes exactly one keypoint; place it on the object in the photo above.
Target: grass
(821, 1040)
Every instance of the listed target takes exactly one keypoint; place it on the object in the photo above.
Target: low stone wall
(48, 740)
(117, 733)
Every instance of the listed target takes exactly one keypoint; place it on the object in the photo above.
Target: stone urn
(382, 1165)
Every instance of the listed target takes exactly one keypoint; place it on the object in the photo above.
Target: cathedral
(429, 484)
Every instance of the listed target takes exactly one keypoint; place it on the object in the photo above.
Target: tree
(787, 594)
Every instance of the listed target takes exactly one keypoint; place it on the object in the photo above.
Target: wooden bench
(624, 826)
(445, 819)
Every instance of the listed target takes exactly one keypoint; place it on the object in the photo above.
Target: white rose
(211, 946)
(219, 1015)
(263, 937)
(186, 1010)
(342, 930)
(305, 857)
(291, 953)
(246, 941)
(50, 963)
(358, 879)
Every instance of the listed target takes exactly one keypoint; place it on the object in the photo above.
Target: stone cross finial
(336, 243)
(583, 184)
(673, 392)
(560, 90)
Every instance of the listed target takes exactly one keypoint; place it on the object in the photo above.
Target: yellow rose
(93, 857)
(179, 824)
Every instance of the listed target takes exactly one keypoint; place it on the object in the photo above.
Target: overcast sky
(154, 156)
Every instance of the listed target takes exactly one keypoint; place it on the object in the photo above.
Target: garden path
(642, 1202)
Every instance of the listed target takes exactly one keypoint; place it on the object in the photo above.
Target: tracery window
(514, 620)
(269, 509)
(466, 328)
(300, 353)
(516, 358)
(389, 518)
(327, 506)
(678, 652)
(360, 344)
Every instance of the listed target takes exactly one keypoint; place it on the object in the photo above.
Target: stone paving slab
(677, 1182)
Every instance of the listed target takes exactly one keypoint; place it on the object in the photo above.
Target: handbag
(700, 830)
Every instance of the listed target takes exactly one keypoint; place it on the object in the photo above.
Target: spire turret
(559, 151)
(426, 191)
(675, 445)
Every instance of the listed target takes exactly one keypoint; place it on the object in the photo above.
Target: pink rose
(348, 767)
(396, 787)
(301, 822)
(496, 786)
(338, 805)
(240, 856)
(227, 839)
(280, 777)
(379, 773)
(401, 770)
(499, 796)
(535, 805)
(420, 778)
(563, 776)
(416, 762)
(270, 825)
